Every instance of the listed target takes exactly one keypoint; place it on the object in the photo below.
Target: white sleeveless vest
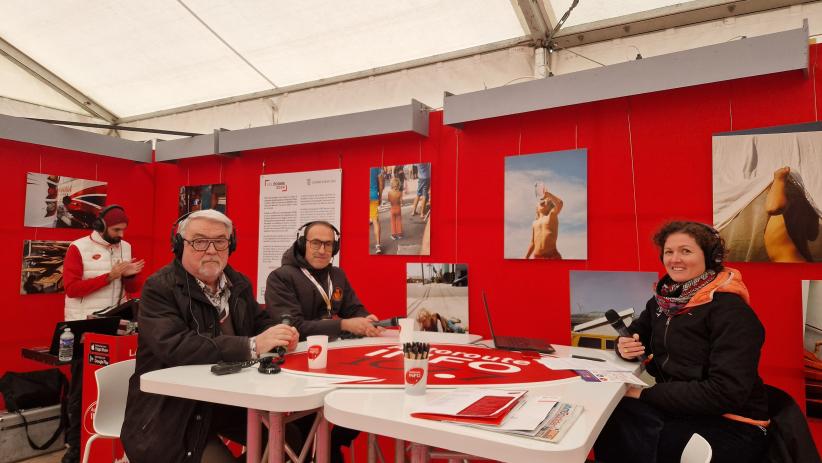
(98, 257)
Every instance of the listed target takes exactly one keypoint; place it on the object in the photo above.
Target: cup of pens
(415, 371)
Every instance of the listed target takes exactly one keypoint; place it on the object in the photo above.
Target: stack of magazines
(513, 412)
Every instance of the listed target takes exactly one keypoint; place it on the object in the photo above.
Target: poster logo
(448, 365)
(280, 186)
(314, 352)
(413, 376)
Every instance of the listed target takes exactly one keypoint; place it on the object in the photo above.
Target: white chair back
(698, 450)
(112, 391)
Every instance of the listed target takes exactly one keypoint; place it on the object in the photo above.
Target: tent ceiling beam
(442, 57)
(534, 18)
(678, 15)
(116, 127)
(228, 45)
(52, 80)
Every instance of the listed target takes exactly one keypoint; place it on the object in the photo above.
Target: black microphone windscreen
(616, 322)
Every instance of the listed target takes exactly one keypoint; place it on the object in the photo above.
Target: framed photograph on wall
(54, 201)
(201, 197)
(595, 292)
(400, 209)
(42, 271)
(437, 297)
(812, 315)
(546, 206)
(767, 192)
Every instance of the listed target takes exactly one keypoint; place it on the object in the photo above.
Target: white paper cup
(406, 330)
(317, 351)
(415, 376)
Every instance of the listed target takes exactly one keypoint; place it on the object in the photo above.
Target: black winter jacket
(705, 361)
(179, 326)
(289, 291)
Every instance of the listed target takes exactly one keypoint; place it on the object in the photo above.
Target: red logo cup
(413, 376)
(314, 352)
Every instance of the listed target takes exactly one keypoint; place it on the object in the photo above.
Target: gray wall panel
(408, 118)
(782, 51)
(170, 150)
(42, 133)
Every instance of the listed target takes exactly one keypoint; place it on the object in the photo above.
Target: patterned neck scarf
(672, 296)
(218, 298)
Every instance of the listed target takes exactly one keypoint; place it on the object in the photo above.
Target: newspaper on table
(539, 417)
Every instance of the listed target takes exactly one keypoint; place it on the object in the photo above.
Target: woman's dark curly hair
(708, 239)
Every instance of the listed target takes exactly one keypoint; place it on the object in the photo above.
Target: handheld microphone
(393, 321)
(280, 350)
(616, 321)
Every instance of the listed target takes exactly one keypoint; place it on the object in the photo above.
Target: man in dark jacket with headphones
(316, 295)
(319, 299)
(195, 310)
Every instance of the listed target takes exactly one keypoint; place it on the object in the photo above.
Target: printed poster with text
(287, 201)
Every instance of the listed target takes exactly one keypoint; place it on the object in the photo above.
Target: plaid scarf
(671, 297)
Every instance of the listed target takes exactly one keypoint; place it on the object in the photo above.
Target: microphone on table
(268, 364)
(281, 350)
(388, 322)
(616, 321)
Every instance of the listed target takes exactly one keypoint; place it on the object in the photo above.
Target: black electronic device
(616, 321)
(388, 322)
(280, 350)
(515, 342)
(102, 325)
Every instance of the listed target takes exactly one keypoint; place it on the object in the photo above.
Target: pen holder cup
(415, 374)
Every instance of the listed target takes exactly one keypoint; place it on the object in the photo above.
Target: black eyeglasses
(202, 244)
(317, 244)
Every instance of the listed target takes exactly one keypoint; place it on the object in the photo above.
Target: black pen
(582, 357)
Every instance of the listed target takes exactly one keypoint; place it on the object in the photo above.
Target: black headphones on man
(178, 242)
(99, 223)
(303, 231)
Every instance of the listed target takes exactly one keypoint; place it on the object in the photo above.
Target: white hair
(206, 214)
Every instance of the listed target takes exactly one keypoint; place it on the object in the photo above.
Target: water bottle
(66, 350)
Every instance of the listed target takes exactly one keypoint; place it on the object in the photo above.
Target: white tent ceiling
(131, 60)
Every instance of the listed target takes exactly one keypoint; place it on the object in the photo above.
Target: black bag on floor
(33, 389)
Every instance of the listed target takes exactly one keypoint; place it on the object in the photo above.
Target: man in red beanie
(98, 272)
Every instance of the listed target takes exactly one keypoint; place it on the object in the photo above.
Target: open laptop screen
(515, 342)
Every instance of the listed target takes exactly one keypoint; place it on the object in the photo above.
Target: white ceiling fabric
(174, 64)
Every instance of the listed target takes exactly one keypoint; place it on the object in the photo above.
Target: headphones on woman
(99, 223)
(717, 251)
(178, 242)
(302, 231)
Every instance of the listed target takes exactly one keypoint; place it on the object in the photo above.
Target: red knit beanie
(115, 216)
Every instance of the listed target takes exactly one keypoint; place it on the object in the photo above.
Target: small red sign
(413, 376)
(314, 352)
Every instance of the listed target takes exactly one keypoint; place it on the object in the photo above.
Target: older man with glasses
(195, 310)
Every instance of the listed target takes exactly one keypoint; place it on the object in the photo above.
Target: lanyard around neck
(326, 296)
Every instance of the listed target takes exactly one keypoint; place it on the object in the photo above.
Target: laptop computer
(104, 325)
(515, 342)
